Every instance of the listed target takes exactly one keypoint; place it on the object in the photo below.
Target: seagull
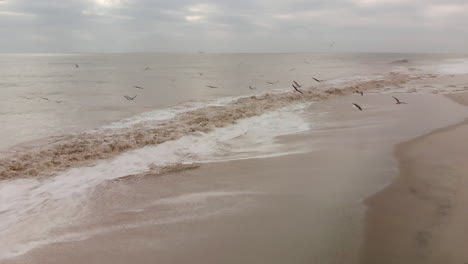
(317, 80)
(76, 65)
(129, 98)
(296, 89)
(212, 87)
(357, 106)
(272, 82)
(45, 98)
(360, 92)
(138, 87)
(297, 84)
(398, 100)
(252, 88)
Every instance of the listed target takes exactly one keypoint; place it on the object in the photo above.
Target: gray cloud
(233, 26)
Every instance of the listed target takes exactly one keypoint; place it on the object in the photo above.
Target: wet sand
(302, 208)
(422, 217)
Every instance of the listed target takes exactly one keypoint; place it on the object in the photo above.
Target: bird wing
(396, 99)
(356, 105)
(296, 89)
(317, 80)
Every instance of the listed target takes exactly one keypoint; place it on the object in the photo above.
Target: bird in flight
(138, 87)
(58, 102)
(212, 87)
(252, 88)
(77, 66)
(200, 73)
(129, 98)
(45, 98)
(298, 85)
(296, 89)
(357, 106)
(398, 100)
(317, 80)
(272, 82)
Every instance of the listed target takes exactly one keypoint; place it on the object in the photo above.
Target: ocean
(68, 130)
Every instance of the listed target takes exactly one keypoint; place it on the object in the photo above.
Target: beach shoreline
(419, 218)
(300, 207)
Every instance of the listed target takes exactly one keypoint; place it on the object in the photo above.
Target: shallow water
(33, 209)
(92, 94)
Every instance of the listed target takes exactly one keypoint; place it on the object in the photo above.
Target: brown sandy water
(75, 150)
(302, 208)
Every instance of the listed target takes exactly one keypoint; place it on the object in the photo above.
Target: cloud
(237, 26)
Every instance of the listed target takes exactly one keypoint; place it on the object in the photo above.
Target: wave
(69, 151)
(34, 205)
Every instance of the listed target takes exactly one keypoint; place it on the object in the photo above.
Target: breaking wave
(85, 149)
(34, 204)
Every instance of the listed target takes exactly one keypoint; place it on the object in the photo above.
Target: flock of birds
(295, 85)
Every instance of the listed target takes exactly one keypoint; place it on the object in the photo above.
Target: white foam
(31, 209)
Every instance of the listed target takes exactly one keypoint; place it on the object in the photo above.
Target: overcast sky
(233, 26)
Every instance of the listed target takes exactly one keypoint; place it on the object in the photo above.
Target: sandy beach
(421, 217)
(309, 207)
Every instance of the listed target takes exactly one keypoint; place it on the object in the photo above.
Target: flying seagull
(398, 100)
(129, 98)
(252, 88)
(357, 106)
(317, 80)
(45, 98)
(296, 89)
(138, 87)
(272, 82)
(297, 84)
(360, 92)
(212, 87)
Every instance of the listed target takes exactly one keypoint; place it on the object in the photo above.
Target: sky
(64, 26)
